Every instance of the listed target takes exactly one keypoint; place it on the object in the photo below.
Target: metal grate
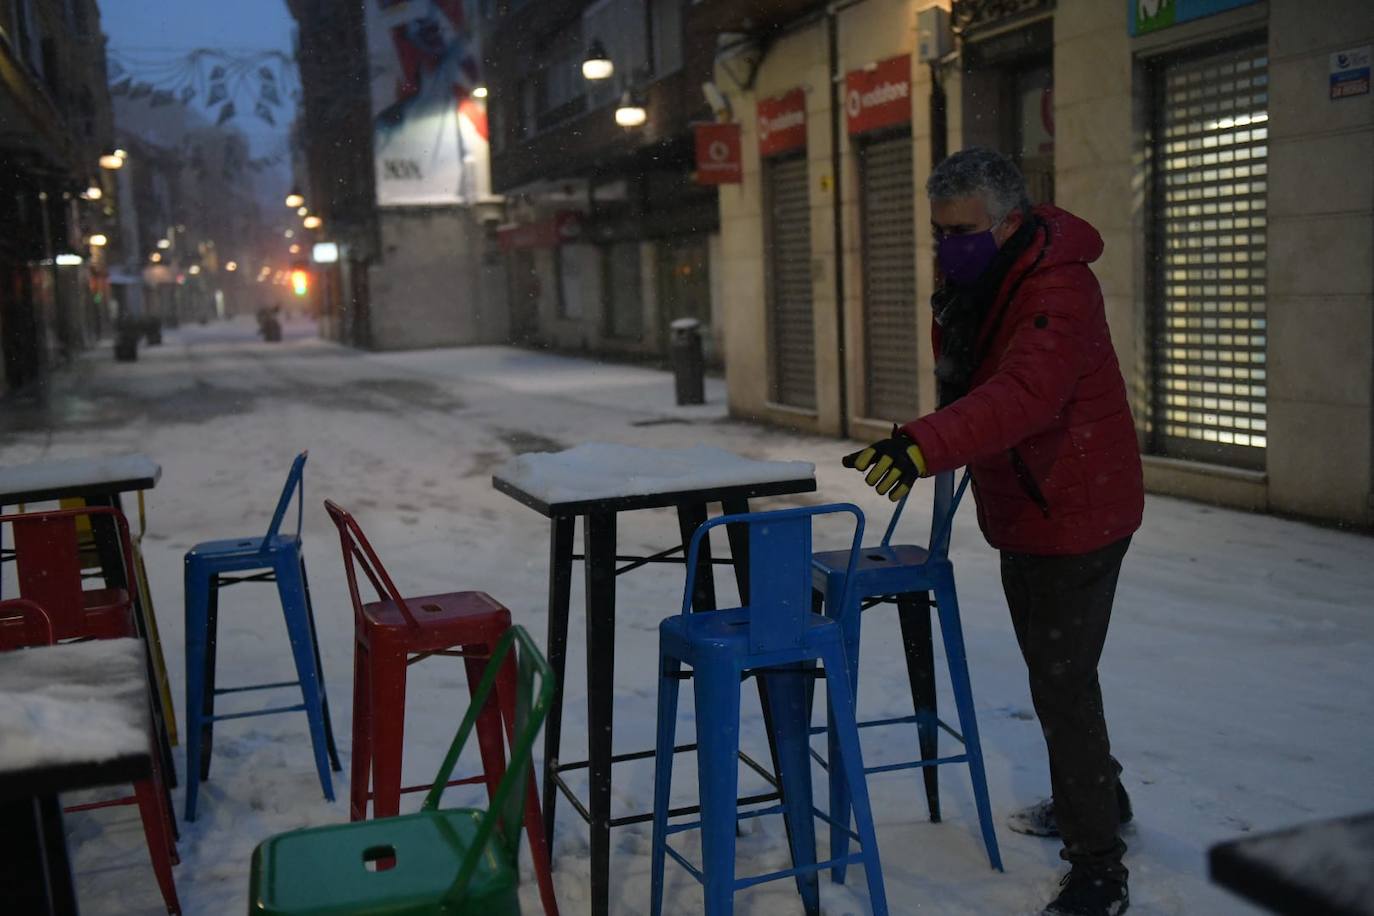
(790, 314)
(1208, 309)
(889, 285)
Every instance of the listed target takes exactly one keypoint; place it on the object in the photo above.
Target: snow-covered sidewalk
(1237, 677)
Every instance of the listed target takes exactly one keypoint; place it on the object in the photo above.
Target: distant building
(1223, 149)
(608, 237)
(54, 125)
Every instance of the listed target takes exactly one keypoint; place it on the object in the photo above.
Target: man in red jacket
(1031, 398)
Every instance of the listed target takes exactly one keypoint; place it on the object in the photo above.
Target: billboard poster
(429, 133)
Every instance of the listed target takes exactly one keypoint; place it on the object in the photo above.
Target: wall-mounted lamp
(597, 64)
(630, 112)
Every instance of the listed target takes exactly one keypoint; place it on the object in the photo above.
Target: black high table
(100, 680)
(671, 479)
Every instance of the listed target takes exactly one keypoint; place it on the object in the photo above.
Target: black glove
(893, 464)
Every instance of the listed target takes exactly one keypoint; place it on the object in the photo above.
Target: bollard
(689, 364)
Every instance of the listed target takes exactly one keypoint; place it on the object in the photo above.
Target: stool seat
(439, 617)
(244, 548)
(324, 869)
(728, 631)
(872, 558)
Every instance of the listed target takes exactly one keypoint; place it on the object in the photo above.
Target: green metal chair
(453, 861)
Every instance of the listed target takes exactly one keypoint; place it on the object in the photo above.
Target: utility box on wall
(933, 36)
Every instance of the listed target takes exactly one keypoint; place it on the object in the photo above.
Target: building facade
(1221, 147)
(608, 235)
(55, 123)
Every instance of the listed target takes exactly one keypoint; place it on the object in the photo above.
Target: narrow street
(1236, 677)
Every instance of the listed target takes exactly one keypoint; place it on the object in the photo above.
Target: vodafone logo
(854, 103)
(718, 151)
(878, 95)
(785, 121)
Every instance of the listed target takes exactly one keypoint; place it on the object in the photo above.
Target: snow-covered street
(1238, 676)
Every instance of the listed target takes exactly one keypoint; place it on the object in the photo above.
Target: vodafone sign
(718, 157)
(879, 96)
(782, 123)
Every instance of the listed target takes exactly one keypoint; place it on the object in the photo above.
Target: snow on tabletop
(598, 470)
(76, 472)
(75, 703)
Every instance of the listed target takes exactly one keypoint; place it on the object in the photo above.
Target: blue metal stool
(275, 557)
(905, 575)
(776, 637)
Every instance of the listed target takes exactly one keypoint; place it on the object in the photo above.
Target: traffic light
(300, 281)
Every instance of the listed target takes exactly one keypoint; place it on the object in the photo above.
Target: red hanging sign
(718, 156)
(878, 96)
(782, 123)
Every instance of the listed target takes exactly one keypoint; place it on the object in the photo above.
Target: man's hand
(893, 464)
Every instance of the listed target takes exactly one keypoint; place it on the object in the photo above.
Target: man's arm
(1037, 375)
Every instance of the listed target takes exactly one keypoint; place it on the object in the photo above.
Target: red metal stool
(53, 606)
(389, 636)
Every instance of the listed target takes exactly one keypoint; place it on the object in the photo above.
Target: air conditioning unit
(934, 39)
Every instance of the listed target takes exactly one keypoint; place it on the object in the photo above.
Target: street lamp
(312, 222)
(231, 266)
(630, 112)
(290, 233)
(302, 210)
(295, 248)
(164, 244)
(597, 64)
(155, 257)
(98, 240)
(294, 199)
(112, 161)
(93, 192)
(193, 269)
(479, 92)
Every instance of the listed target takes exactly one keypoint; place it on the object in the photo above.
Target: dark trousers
(1060, 607)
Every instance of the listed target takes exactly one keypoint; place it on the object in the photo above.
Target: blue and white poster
(1350, 73)
(429, 131)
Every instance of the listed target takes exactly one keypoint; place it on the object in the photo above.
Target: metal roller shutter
(790, 316)
(889, 286)
(1208, 321)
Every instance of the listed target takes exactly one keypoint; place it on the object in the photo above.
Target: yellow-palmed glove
(893, 464)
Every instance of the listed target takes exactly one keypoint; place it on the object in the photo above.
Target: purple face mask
(963, 258)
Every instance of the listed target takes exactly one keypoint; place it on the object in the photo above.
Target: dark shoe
(1086, 891)
(1038, 819)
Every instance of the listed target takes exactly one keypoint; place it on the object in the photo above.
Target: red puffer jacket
(1046, 427)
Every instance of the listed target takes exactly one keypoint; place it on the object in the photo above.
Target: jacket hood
(1069, 239)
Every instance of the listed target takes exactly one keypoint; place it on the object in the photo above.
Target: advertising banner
(718, 156)
(429, 133)
(782, 123)
(878, 96)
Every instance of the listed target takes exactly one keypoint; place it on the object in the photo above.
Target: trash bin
(689, 364)
(127, 334)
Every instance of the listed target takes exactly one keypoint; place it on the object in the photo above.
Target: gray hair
(981, 171)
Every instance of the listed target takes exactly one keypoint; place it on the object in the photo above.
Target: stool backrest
(24, 623)
(508, 804)
(941, 514)
(356, 549)
(295, 482)
(47, 552)
(779, 570)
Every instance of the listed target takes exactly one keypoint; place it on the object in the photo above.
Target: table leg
(691, 516)
(913, 611)
(599, 540)
(739, 545)
(26, 873)
(562, 530)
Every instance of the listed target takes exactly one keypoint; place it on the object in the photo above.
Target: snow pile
(598, 470)
(77, 703)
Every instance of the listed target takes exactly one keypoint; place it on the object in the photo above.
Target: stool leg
(717, 715)
(913, 611)
(362, 732)
(319, 666)
(292, 594)
(146, 791)
(847, 728)
(207, 728)
(490, 743)
(851, 622)
(507, 688)
(663, 774)
(197, 608)
(387, 682)
(953, 634)
(787, 697)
